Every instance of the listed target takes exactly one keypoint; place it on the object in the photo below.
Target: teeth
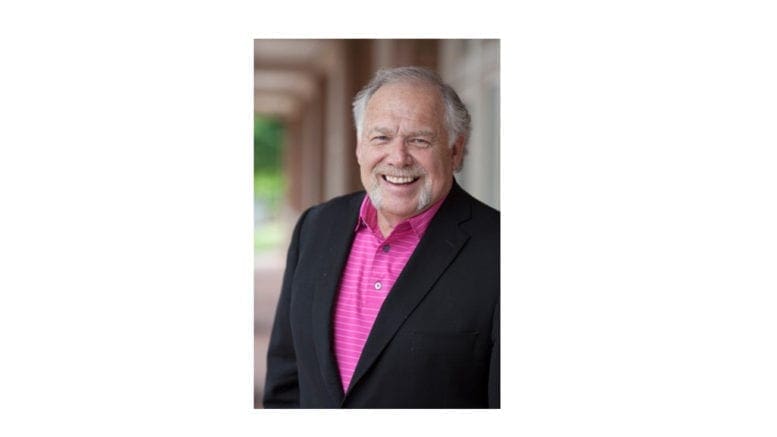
(399, 179)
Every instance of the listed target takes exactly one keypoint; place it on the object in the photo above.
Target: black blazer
(435, 342)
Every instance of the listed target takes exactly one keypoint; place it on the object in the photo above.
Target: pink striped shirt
(372, 268)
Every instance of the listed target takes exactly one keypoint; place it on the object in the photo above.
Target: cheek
(439, 166)
(366, 163)
(362, 155)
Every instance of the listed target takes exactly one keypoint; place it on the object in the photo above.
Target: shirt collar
(368, 217)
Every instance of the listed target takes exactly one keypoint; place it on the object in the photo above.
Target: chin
(403, 209)
(400, 206)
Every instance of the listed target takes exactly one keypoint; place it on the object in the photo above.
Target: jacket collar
(334, 245)
(440, 245)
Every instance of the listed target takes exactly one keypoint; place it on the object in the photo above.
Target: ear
(457, 153)
(358, 150)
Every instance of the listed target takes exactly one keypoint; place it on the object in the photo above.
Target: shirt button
(378, 285)
(386, 248)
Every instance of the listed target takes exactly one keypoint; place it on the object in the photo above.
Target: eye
(379, 138)
(420, 142)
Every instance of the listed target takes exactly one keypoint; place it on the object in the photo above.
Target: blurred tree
(268, 140)
(268, 137)
(268, 182)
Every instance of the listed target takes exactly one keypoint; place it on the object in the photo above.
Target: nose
(398, 153)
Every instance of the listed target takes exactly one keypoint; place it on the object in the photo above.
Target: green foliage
(268, 139)
(268, 177)
(268, 186)
(268, 183)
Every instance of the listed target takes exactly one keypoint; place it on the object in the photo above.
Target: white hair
(457, 119)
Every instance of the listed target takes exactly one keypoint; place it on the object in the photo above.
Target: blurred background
(304, 139)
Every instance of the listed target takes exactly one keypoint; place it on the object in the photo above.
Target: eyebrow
(380, 130)
(418, 133)
(421, 133)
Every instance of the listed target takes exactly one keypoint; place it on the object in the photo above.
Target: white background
(639, 242)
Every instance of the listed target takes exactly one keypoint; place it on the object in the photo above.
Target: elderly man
(390, 299)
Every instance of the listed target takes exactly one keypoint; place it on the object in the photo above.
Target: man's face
(404, 155)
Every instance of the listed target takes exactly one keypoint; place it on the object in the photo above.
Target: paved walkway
(268, 275)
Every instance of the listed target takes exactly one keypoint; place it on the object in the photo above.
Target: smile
(399, 180)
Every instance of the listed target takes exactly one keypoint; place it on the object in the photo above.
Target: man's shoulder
(484, 210)
(480, 211)
(477, 219)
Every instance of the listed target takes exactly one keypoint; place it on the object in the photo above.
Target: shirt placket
(379, 274)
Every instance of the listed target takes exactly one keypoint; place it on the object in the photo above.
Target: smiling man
(405, 154)
(390, 298)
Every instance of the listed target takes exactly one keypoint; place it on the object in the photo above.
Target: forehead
(410, 102)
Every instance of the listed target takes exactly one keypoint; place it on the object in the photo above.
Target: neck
(386, 224)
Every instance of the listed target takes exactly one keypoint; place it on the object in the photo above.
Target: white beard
(424, 197)
(375, 195)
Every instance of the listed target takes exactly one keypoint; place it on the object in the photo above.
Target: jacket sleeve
(493, 374)
(281, 389)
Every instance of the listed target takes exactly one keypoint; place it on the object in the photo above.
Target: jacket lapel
(333, 246)
(439, 246)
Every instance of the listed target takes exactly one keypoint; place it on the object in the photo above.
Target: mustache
(407, 172)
